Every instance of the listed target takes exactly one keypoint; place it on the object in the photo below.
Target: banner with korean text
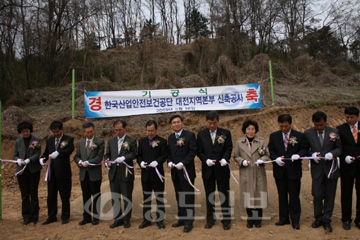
(126, 103)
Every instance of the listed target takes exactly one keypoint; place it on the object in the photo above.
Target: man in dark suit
(287, 144)
(350, 166)
(182, 148)
(58, 150)
(214, 150)
(121, 151)
(152, 154)
(323, 142)
(90, 151)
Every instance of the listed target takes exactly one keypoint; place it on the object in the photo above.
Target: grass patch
(317, 103)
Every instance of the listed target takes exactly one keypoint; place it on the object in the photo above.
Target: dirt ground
(11, 226)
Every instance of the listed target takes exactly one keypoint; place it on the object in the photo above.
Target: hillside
(312, 88)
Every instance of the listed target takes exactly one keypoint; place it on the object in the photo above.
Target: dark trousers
(91, 198)
(289, 200)
(324, 191)
(254, 215)
(29, 183)
(121, 190)
(63, 186)
(224, 196)
(347, 185)
(185, 199)
(158, 188)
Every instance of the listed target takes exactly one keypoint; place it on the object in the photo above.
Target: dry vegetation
(309, 86)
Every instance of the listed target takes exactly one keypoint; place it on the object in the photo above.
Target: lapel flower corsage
(126, 145)
(155, 143)
(262, 151)
(292, 140)
(221, 139)
(333, 136)
(93, 145)
(34, 144)
(180, 142)
(63, 144)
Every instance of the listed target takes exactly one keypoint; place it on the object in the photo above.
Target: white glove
(143, 164)
(19, 162)
(210, 163)
(245, 163)
(259, 161)
(316, 159)
(295, 157)
(349, 159)
(329, 156)
(54, 155)
(179, 166)
(41, 161)
(120, 159)
(26, 161)
(170, 165)
(279, 161)
(223, 162)
(85, 164)
(153, 164)
(80, 163)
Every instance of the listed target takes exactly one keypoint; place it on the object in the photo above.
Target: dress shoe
(296, 226)
(160, 224)
(357, 224)
(346, 225)
(282, 223)
(249, 224)
(209, 224)
(188, 228)
(84, 221)
(144, 224)
(117, 223)
(26, 221)
(327, 226)
(258, 225)
(95, 222)
(65, 221)
(127, 224)
(316, 224)
(178, 224)
(226, 226)
(49, 220)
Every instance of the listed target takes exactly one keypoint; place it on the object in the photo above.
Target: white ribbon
(186, 175)
(159, 175)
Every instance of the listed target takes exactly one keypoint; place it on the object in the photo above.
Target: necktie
(87, 148)
(212, 137)
(56, 143)
(321, 138)
(119, 145)
(177, 135)
(355, 133)
(286, 141)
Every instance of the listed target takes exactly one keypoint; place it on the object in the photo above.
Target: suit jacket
(33, 154)
(129, 154)
(184, 154)
(217, 151)
(349, 147)
(332, 146)
(60, 166)
(293, 170)
(95, 157)
(148, 154)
